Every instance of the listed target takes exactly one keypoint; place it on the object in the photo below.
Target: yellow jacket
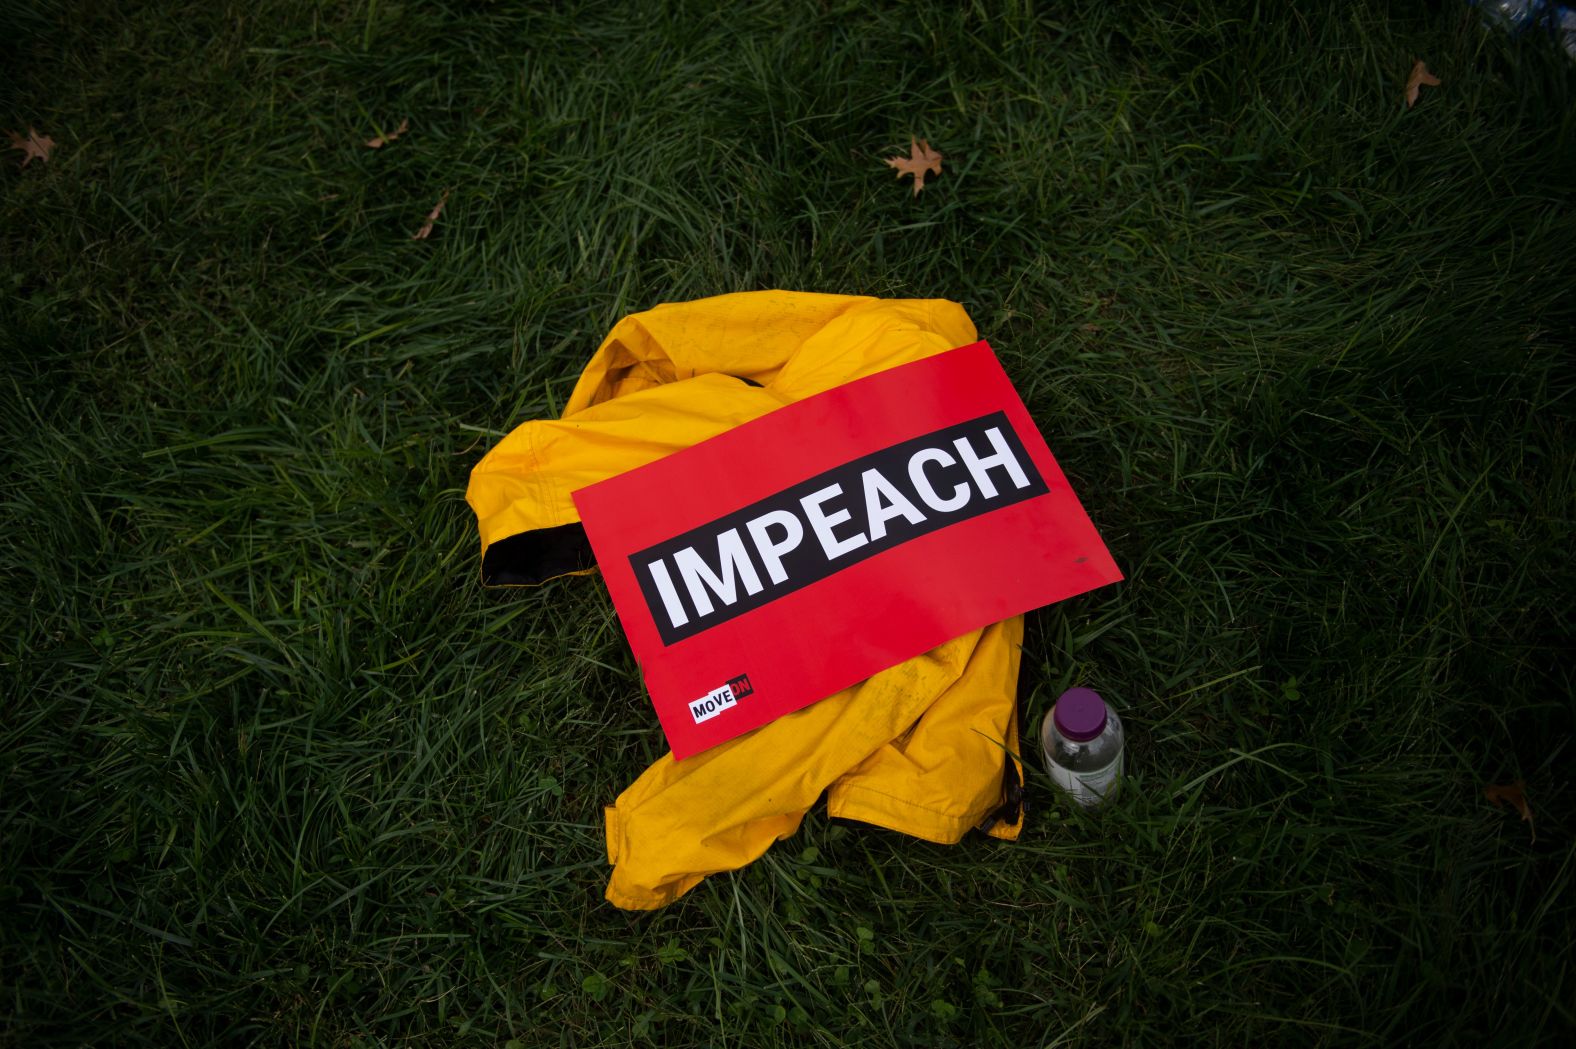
(928, 747)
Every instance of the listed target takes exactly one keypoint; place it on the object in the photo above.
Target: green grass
(275, 770)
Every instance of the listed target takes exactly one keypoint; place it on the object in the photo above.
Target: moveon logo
(719, 699)
(838, 518)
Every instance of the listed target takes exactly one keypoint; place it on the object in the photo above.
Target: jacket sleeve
(721, 809)
(671, 377)
(522, 490)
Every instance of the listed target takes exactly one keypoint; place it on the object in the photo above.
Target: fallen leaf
(921, 158)
(34, 145)
(432, 216)
(1514, 795)
(1415, 83)
(383, 140)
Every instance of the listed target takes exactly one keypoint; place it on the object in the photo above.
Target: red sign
(798, 554)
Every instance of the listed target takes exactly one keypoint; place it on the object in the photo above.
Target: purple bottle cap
(1080, 714)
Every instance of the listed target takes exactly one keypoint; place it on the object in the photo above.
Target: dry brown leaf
(921, 158)
(432, 216)
(34, 145)
(1415, 83)
(1514, 795)
(383, 140)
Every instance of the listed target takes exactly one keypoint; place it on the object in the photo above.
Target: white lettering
(927, 491)
(897, 504)
(822, 523)
(670, 597)
(979, 468)
(735, 564)
(772, 553)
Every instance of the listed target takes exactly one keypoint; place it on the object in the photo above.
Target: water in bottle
(1082, 739)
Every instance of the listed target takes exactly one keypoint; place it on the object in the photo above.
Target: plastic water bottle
(1565, 28)
(1517, 16)
(1082, 739)
(1511, 15)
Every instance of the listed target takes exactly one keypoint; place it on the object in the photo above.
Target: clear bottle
(1565, 28)
(1082, 739)
(1511, 15)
